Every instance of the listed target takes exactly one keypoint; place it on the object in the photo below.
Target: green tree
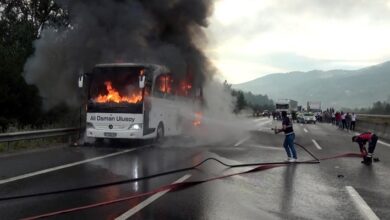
(20, 24)
(39, 13)
(241, 102)
(380, 108)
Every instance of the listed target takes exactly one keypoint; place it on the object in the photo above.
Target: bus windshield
(115, 88)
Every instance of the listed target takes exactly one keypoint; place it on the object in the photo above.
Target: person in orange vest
(362, 139)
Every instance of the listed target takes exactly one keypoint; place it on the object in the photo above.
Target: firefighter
(362, 139)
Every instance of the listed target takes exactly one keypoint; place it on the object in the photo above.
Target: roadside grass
(17, 146)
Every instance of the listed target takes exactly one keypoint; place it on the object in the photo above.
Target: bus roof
(146, 65)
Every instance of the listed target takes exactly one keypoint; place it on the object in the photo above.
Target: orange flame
(184, 88)
(165, 84)
(114, 96)
(198, 119)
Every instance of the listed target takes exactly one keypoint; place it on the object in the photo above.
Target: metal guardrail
(376, 116)
(29, 135)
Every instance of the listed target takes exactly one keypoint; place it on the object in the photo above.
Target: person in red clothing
(362, 139)
(338, 118)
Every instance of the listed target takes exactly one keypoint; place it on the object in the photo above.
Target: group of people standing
(344, 120)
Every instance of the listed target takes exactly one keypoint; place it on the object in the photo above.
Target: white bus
(138, 101)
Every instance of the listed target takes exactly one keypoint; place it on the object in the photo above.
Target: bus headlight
(136, 126)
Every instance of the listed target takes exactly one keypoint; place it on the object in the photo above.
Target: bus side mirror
(142, 81)
(81, 80)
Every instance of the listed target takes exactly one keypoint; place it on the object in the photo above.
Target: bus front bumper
(120, 134)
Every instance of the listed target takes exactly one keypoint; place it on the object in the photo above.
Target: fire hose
(173, 186)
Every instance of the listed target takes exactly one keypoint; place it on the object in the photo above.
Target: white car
(307, 118)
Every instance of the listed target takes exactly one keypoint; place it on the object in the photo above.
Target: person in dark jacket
(343, 120)
(362, 139)
(288, 143)
(348, 120)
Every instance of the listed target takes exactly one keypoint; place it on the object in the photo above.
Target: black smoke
(168, 32)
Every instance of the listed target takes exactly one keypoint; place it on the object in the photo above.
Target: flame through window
(167, 84)
(114, 96)
(116, 85)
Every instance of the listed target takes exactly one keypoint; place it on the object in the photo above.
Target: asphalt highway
(341, 188)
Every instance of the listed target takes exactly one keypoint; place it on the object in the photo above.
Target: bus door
(147, 129)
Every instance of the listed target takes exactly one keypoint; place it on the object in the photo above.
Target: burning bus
(138, 101)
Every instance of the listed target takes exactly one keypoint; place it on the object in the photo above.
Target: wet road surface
(340, 188)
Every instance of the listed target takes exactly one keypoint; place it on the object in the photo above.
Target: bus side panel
(156, 113)
(172, 112)
(166, 111)
(147, 128)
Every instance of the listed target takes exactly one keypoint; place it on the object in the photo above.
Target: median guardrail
(375, 116)
(379, 124)
(29, 135)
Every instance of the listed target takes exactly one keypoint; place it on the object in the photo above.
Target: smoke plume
(168, 32)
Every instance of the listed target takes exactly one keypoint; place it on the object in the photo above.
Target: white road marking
(27, 175)
(361, 204)
(384, 143)
(316, 144)
(149, 200)
(241, 141)
(305, 130)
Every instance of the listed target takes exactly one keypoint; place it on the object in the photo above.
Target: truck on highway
(314, 106)
(138, 101)
(288, 105)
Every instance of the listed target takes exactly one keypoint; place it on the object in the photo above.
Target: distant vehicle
(137, 101)
(314, 106)
(256, 113)
(300, 117)
(287, 105)
(266, 113)
(306, 118)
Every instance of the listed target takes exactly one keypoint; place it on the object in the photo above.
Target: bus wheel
(160, 133)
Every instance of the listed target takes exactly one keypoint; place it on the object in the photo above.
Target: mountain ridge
(334, 88)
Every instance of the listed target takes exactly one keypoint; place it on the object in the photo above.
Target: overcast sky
(253, 38)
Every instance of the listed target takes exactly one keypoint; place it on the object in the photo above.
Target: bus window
(160, 86)
(184, 88)
(169, 86)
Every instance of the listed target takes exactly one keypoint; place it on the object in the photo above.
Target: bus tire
(160, 132)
